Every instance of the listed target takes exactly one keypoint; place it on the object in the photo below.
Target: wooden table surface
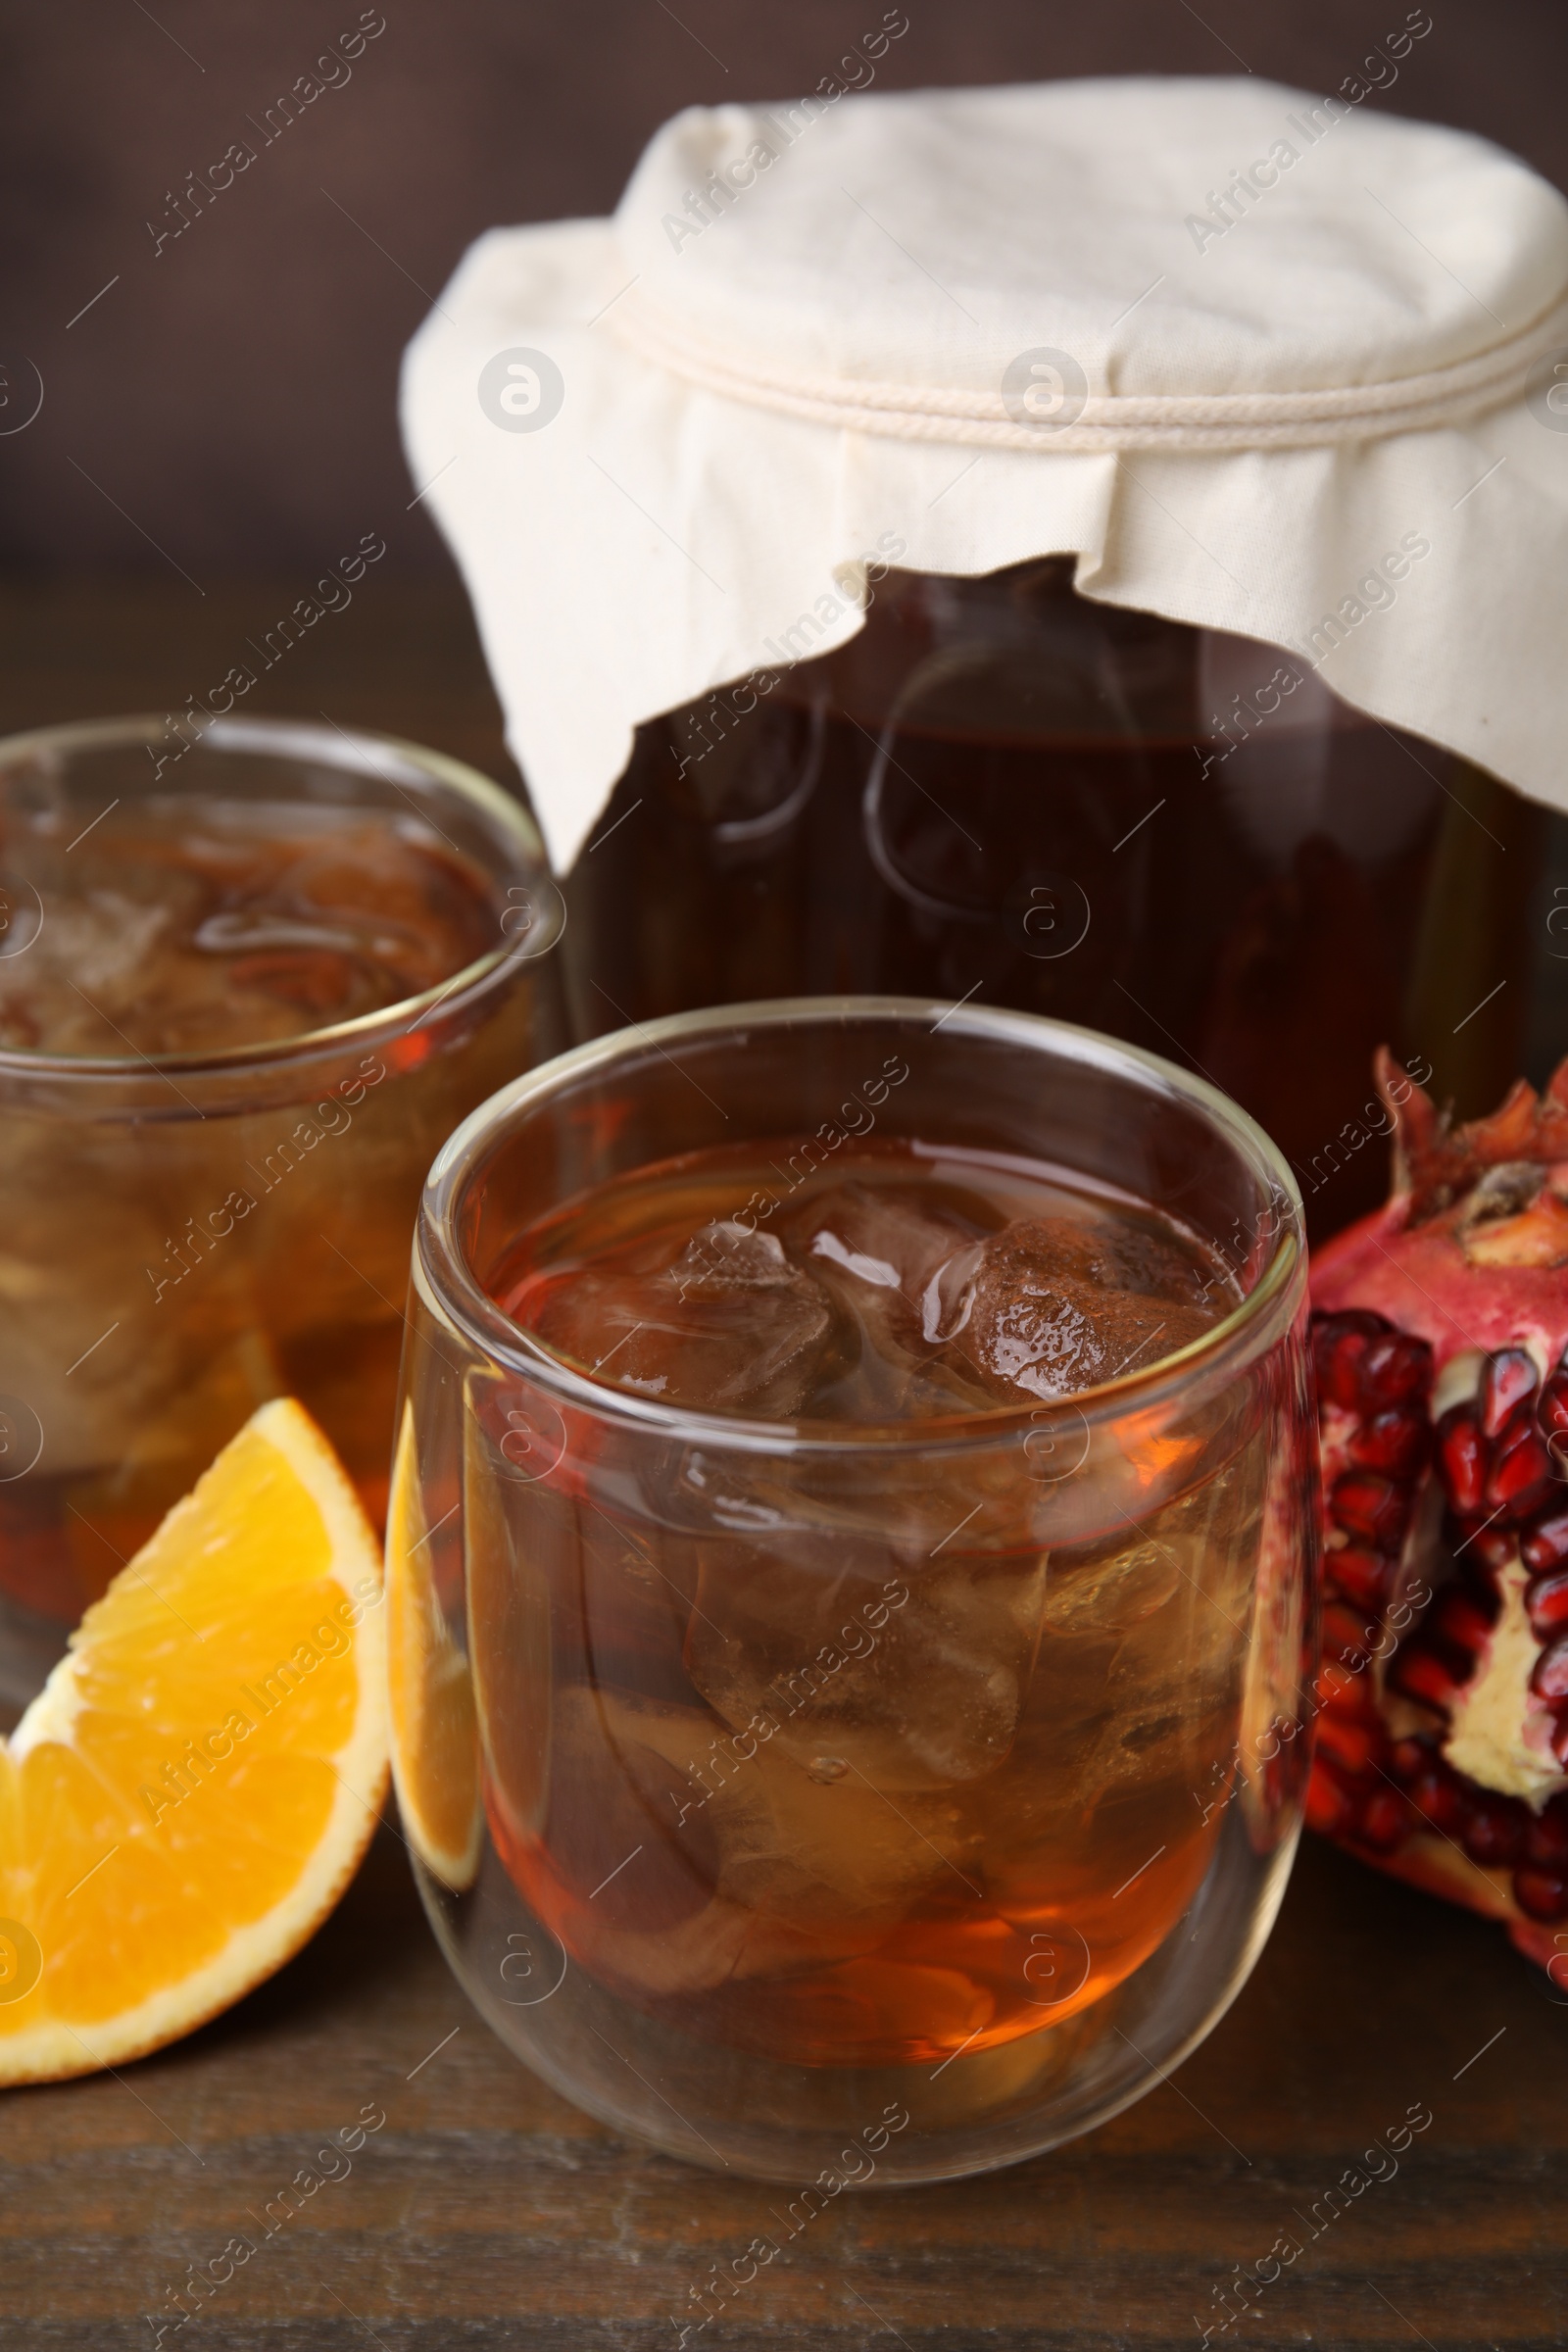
(487, 2213)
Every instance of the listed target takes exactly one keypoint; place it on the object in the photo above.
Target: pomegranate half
(1441, 1347)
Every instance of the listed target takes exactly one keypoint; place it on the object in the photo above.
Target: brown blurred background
(226, 407)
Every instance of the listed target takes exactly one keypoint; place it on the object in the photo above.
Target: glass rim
(300, 737)
(459, 1295)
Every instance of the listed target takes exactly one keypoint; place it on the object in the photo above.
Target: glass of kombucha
(249, 979)
(853, 1577)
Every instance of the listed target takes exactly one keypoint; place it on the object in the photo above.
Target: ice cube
(1133, 1255)
(911, 1677)
(883, 1257)
(878, 1237)
(1099, 1594)
(834, 1854)
(1048, 1309)
(82, 975)
(1141, 1663)
(182, 924)
(672, 1861)
(624, 1881)
(730, 1325)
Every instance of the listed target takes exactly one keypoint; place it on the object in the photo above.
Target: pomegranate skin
(1441, 1347)
(1403, 1274)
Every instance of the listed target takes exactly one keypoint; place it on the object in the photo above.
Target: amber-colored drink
(225, 1062)
(178, 929)
(819, 1784)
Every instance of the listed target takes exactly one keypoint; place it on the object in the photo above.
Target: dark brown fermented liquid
(1002, 791)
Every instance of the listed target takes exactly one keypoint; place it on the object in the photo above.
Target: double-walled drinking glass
(191, 1230)
(837, 1803)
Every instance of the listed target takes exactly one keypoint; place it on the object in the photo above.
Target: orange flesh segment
(191, 1791)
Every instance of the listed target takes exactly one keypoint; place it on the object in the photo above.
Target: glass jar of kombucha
(1003, 790)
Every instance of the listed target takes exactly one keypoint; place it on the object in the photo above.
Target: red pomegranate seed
(1549, 1680)
(1338, 1342)
(1547, 1839)
(1520, 1479)
(1462, 1461)
(1509, 1381)
(1461, 1621)
(1386, 1821)
(1343, 1692)
(1326, 1329)
(1371, 1507)
(1409, 1758)
(1541, 1893)
(1494, 1830)
(1547, 1543)
(1347, 1635)
(1393, 1369)
(1437, 1794)
(1552, 1409)
(1547, 1599)
(1420, 1674)
(1489, 1548)
(1329, 1804)
(1350, 1744)
(1362, 1576)
(1395, 1442)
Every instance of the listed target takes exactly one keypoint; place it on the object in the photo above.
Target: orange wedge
(189, 1794)
(435, 1740)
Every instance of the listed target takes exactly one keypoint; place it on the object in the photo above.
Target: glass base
(830, 2127)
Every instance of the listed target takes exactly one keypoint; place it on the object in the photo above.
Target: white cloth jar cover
(1269, 364)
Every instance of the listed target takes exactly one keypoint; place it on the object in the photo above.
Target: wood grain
(486, 2213)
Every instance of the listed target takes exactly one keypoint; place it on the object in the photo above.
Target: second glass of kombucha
(852, 1570)
(247, 982)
